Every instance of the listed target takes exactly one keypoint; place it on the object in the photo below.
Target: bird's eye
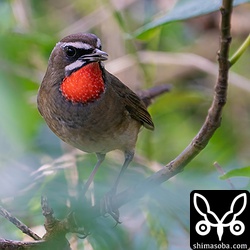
(70, 51)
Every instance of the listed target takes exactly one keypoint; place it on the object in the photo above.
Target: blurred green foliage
(33, 161)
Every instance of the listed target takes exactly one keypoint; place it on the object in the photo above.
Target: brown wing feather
(133, 103)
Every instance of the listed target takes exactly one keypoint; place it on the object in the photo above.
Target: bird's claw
(74, 228)
(107, 207)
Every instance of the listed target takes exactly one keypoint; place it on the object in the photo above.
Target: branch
(56, 230)
(18, 224)
(20, 245)
(199, 142)
(212, 121)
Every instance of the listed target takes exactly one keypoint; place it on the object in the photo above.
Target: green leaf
(243, 172)
(184, 9)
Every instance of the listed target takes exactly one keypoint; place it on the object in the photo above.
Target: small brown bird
(86, 106)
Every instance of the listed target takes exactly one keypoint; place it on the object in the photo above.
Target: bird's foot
(107, 206)
(72, 226)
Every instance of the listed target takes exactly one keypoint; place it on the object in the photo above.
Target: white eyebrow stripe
(78, 45)
(72, 66)
(98, 43)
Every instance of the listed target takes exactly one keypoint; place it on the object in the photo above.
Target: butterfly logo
(203, 227)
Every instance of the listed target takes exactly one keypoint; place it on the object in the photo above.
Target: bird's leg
(107, 206)
(128, 158)
(100, 159)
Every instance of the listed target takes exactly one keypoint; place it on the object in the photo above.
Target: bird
(86, 106)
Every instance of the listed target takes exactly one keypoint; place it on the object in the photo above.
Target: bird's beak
(97, 55)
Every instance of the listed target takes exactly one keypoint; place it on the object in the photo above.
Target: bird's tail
(148, 95)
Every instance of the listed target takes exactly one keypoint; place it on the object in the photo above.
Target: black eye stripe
(71, 51)
(86, 51)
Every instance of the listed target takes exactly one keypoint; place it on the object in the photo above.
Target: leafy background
(149, 43)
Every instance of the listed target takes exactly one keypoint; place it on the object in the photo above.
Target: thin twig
(236, 56)
(23, 245)
(18, 224)
(221, 171)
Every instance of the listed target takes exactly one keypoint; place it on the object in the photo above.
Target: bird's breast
(99, 126)
(84, 85)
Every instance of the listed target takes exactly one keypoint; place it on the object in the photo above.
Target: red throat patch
(84, 85)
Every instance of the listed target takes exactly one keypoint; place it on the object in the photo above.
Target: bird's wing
(133, 103)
